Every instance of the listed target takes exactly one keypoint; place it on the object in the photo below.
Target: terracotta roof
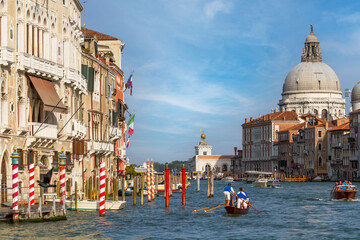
(215, 157)
(345, 126)
(100, 36)
(294, 128)
(284, 116)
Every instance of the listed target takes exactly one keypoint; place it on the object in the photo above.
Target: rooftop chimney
(245, 120)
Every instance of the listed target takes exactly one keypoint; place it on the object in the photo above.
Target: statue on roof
(311, 29)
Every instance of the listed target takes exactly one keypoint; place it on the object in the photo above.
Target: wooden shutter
(91, 79)
(84, 70)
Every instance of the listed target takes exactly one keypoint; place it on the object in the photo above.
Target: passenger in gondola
(227, 193)
(243, 199)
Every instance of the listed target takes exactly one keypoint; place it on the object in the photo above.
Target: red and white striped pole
(148, 182)
(102, 189)
(166, 185)
(62, 158)
(15, 165)
(152, 180)
(183, 186)
(31, 184)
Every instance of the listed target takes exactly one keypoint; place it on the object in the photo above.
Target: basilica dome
(311, 76)
(312, 86)
(355, 97)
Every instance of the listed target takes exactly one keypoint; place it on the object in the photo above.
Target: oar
(255, 209)
(204, 208)
(208, 210)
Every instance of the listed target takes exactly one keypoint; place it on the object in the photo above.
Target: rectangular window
(319, 134)
(319, 146)
(21, 159)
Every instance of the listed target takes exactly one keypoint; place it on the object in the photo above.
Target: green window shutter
(106, 86)
(84, 70)
(114, 118)
(96, 48)
(91, 79)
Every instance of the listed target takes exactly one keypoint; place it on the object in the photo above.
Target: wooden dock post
(123, 187)
(134, 191)
(58, 189)
(156, 184)
(197, 182)
(76, 195)
(166, 185)
(69, 188)
(29, 208)
(40, 209)
(212, 183)
(208, 181)
(97, 188)
(63, 205)
(53, 212)
(142, 189)
(116, 185)
(183, 186)
(42, 195)
(106, 189)
(170, 185)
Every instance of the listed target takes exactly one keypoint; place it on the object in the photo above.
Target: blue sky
(210, 64)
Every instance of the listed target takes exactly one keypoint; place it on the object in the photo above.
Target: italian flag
(131, 125)
(127, 142)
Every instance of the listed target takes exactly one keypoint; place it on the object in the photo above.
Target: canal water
(295, 211)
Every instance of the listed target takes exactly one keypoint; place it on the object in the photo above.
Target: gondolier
(243, 199)
(227, 193)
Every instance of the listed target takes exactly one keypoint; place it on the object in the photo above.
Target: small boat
(317, 179)
(176, 188)
(261, 182)
(227, 179)
(128, 192)
(238, 179)
(273, 183)
(344, 192)
(235, 210)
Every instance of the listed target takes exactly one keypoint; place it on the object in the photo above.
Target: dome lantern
(311, 52)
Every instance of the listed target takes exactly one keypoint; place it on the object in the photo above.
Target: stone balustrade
(46, 130)
(6, 56)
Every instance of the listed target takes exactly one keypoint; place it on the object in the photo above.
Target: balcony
(79, 129)
(46, 131)
(114, 133)
(6, 56)
(39, 66)
(74, 77)
(100, 147)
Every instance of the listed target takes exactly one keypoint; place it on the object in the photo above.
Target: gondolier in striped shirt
(227, 193)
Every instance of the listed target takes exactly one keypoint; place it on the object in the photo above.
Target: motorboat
(346, 192)
(273, 183)
(260, 182)
(227, 179)
(317, 179)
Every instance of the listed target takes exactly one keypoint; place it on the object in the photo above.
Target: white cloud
(216, 7)
(348, 18)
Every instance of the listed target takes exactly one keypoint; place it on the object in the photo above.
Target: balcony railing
(46, 130)
(114, 133)
(40, 65)
(79, 129)
(75, 78)
(6, 56)
(100, 147)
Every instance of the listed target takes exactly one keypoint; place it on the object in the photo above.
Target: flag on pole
(129, 83)
(131, 125)
(127, 142)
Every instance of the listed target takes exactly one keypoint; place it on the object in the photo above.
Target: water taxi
(273, 183)
(255, 176)
(260, 182)
(227, 179)
(346, 192)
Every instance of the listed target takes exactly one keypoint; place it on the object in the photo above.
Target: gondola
(236, 211)
(346, 192)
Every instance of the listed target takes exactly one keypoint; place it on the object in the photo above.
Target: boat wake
(346, 200)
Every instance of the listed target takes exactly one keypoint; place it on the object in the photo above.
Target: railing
(42, 65)
(6, 55)
(101, 146)
(79, 128)
(75, 78)
(46, 130)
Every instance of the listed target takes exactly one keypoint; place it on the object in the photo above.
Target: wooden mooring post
(197, 182)
(142, 189)
(134, 190)
(123, 188)
(76, 195)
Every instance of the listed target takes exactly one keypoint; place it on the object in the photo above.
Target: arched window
(324, 114)
(320, 162)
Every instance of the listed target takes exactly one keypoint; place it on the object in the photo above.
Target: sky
(208, 65)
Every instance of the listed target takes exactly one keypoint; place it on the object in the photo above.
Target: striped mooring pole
(148, 181)
(31, 184)
(15, 191)
(183, 186)
(166, 185)
(62, 158)
(152, 181)
(102, 189)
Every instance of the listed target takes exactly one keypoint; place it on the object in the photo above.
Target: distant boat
(346, 192)
(92, 205)
(227, 179)
(128, 192)
(261, 182)
(273, 183)
(238, 179)
(317, 179)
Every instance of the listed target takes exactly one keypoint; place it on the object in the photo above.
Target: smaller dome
(355, 94)
(311, 38)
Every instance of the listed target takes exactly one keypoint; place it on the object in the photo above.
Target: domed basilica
(312, 86)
